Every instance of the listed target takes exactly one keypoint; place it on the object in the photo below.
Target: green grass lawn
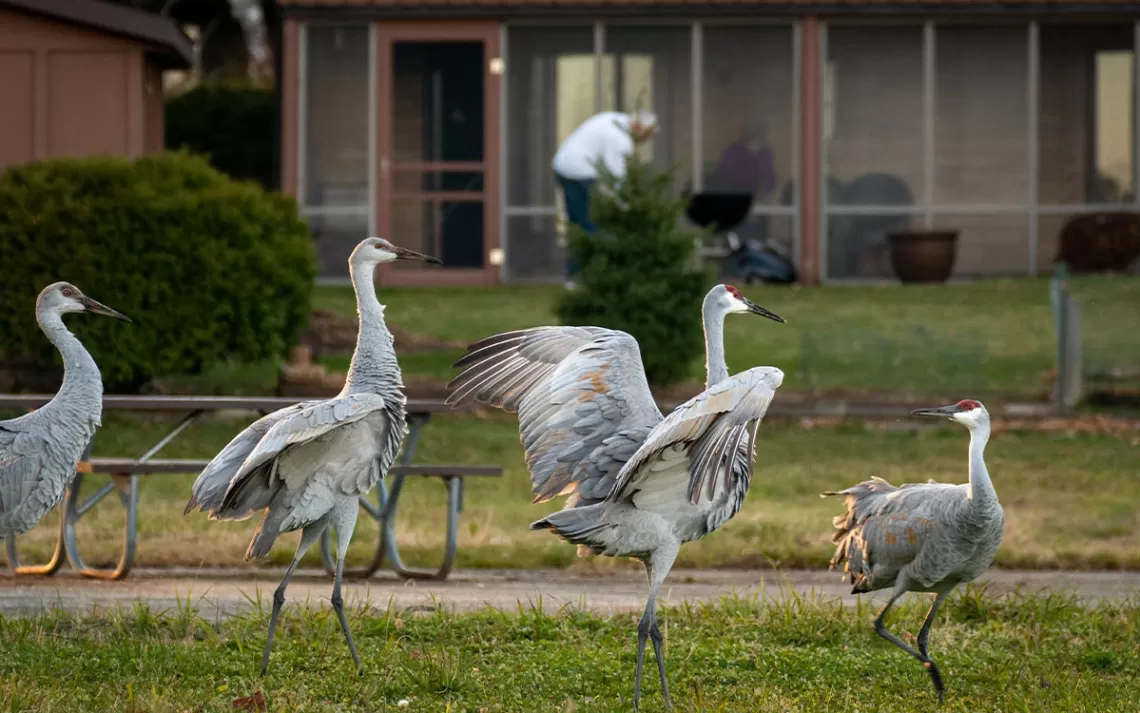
(985, 336)
(1069, 499)
(1012, 654)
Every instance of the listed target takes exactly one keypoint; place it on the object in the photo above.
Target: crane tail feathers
(850, 545)
(263, 538)
(578, 526)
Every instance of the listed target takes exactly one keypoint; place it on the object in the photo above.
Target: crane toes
(936, 679)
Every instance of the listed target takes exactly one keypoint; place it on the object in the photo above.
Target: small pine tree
(637, 272)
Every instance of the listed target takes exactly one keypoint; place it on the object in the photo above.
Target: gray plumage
(39, 451)
(922, 537)
(640, 484)
(308, 464)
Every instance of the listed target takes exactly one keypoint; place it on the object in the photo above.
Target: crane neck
(982, 491)
(715, 365)
(82, 381)
(374, 367)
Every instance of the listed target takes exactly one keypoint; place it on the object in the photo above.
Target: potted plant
(920, 255)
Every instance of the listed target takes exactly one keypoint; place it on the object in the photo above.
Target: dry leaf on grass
(255, 703)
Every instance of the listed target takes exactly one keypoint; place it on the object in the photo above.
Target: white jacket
(604, 136)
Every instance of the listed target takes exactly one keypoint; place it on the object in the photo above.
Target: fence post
(1067, 320)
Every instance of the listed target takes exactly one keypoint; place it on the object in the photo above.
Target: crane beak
(405, 254)
(98, 308)
(757, 309)
(940, 411)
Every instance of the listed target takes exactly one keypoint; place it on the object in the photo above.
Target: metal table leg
(377, 511)
(57, 559)
(128, 487)
(454, 485)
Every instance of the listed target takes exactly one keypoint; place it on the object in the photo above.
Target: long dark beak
(405, 254)
(941, 411)
(98, 308)
(757, 309)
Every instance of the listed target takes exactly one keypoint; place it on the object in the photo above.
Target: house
(83, 77)
(433, 122)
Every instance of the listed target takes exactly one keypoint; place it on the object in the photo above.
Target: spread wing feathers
(583, 401)
(254, 484)
(212, 483)
(884, 528)
(312, 421)
(708, 432)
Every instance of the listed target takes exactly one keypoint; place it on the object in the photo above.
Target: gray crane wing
(309, 422)
(583, 401)
(886, 528)
(215, 478)
(21, 466)
(251, 488)
(688, 459)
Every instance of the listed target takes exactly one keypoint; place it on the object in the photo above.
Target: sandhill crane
(40, 451)
(307, 465)
(641, 485)
(922, 537)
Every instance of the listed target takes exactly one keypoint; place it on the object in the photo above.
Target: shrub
(209, 269)
(233, 125)
(636, 272)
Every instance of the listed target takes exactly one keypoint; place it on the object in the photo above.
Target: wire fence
(1105, 345)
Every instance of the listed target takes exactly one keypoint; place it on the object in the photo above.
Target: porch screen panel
(1086, 127)
(652, 66)
(981, 145)
(551, 83)
(980, 108)
(336, 194)
(873, 144)
(748, 119)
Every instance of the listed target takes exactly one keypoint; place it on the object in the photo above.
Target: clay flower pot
(923, 255)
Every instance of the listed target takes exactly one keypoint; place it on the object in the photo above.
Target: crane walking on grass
(39, 451)
(307, 465)
(922, 537)
(641, 484)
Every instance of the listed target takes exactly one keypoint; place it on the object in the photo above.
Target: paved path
(228, 591)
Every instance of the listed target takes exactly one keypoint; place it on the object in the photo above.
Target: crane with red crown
(640, 484)
(922, 537)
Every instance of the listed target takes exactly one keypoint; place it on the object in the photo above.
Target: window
(336, 194)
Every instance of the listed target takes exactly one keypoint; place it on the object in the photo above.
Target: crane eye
(67, 292)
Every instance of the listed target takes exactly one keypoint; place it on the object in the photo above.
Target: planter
(923, 255)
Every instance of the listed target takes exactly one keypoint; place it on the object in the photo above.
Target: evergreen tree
(637, 272)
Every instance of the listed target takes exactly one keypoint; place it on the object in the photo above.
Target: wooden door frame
(487, 32)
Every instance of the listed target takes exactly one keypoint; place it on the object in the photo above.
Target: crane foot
(936, 679)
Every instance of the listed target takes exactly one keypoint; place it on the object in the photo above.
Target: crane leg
(881, 630)
(345, 523)
(309, 535)
(656, 569)
(924, 642)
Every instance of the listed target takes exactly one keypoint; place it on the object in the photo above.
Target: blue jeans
(577, 195)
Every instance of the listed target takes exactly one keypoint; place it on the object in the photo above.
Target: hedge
(208, 269)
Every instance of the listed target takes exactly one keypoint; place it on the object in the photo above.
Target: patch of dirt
(302, 377)
(331, 333)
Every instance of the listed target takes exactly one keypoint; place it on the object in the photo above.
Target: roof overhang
(168, 45)
(519, 9)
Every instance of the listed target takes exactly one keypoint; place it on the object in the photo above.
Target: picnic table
(125, 472)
